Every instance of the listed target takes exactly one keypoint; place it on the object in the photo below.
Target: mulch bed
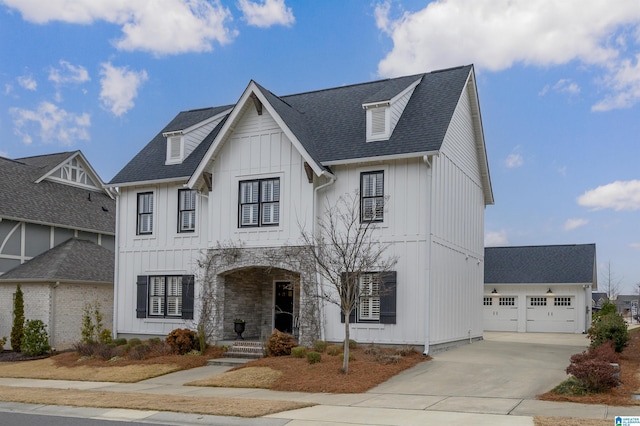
(11, 356)
(629, 378)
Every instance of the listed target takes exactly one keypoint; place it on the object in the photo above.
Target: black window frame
(379, 198)
(388, 298)
(260, 203)
(140, 214)
(182, 211)
(143, 297)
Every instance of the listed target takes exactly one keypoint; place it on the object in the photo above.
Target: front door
(283, 318)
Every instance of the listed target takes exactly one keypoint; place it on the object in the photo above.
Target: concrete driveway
(503, 365)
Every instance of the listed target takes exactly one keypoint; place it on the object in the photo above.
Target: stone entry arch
(250, 294)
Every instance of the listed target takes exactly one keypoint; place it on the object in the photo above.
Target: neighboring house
(539, 288)
(627, 306)
(57, 241)
(250, 176)
(597, 300)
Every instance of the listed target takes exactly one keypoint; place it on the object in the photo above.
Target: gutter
(332, 180)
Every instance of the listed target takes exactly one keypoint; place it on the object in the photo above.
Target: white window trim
(371, 137)
(171, 139)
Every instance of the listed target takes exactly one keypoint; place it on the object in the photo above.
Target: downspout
(427, 286)
(114, 333)
(332, 180)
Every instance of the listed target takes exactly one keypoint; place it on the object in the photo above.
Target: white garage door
(551, 314)
(501, 313)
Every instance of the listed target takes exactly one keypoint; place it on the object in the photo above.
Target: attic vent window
(378, 123)
(175, 149)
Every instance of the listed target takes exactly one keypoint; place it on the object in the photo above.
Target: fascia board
(379, 158)
(230, 124)
(147, 182)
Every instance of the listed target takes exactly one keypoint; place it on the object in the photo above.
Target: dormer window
(378, 123)
(175, 149)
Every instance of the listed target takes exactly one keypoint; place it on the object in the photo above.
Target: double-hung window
(186, 210)
(165, 296)
(372, 196)
(369, 300)
(259, 202)
(145, 213)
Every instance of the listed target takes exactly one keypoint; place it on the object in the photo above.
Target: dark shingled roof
(149, 163)
(50, 202)
(540, 264)
(74, 260)
(329, 123)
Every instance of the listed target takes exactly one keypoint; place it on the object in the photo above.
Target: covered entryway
(265, 298)
(501, 313)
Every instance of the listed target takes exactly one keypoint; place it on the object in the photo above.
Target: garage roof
(540, 264)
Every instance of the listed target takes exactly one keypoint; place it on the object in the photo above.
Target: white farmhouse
(252, 175)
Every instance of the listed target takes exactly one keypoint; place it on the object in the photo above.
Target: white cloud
(498, 34)
(619, 195)
(119, 87)
(157, 26)
(564, 85)
(68, 73)
(635, 246)
(266, 13)
(572, 224)
(496, 239)
(514, 161)
(27, 82)
(51, 123)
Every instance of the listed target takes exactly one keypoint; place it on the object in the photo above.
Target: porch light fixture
(549, 292)
(494, 291)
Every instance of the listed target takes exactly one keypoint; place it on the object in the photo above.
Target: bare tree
(610, 281)
(345, 253)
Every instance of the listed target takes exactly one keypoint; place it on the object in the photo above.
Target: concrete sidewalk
(466, 385)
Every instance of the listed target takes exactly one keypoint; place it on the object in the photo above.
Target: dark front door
(283, 318)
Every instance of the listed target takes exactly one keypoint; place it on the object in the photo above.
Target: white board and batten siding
(193, 138)
(164, 252)
(405, 229)
(457, 223)
(258, 149)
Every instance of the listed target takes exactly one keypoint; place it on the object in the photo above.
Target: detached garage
(539, 288)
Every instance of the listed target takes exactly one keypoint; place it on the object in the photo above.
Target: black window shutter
(187, 296)
(141, 303)
(388, 298)
(352, 314)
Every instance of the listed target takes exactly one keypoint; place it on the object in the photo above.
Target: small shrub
(609, 327)
(92, 330)
(138, 352)
(280, 344)
(298, 352)
(182, 340)
(406, 350)
(319, 346)
(352, 344)
(571, 387)
(85, 349)
(3, 342)
(120, 341)
(160, 348)
(372, 350)
(134, 341)
(595, 375)
(314, 357)
(351, 357)
(334, 350)
(105, 336)
(604, 352)
(155, 341)
(388, 359)
(35, 341)
(106, 351)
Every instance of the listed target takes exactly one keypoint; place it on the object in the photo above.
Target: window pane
(250, 214)
(249, 192)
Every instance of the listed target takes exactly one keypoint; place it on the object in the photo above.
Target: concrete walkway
(492, 382)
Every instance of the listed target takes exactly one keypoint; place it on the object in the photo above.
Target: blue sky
(559, 87)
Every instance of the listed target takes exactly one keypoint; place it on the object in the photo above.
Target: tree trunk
(345, 351)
